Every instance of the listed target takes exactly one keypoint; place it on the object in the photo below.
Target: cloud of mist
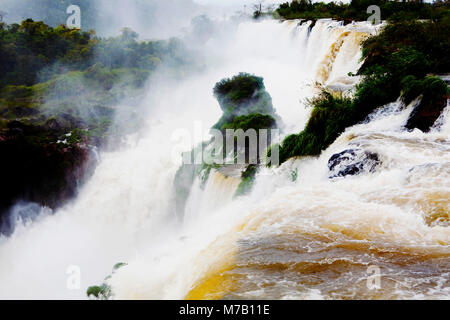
(150, 18)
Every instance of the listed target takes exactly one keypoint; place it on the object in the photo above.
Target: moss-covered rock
(240, 95)
(246, 105)
(434, 93)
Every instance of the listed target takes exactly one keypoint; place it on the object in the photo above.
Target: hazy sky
(236, 2)
(247, 2)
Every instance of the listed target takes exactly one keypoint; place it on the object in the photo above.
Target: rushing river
(312, 238)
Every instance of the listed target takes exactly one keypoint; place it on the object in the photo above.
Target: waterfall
(218, 192)
(304, 239)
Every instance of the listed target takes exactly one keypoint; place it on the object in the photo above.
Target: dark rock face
(21, 211)
(311, 26)
(35, 168)
(426, 113)
(347, 21)
(352, 162)
(183, 182)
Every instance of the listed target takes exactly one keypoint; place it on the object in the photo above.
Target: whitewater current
(306, 238)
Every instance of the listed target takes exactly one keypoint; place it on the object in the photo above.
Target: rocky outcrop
(36, 166)
(246, 105)
(433, 92)
(425, 114)
(352, 162)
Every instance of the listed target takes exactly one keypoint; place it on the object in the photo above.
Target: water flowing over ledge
(309, 238)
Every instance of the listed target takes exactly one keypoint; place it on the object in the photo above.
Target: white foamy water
(285, 240)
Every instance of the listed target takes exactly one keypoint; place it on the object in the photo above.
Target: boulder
(352, 162)
(433, 100)
(425, 114)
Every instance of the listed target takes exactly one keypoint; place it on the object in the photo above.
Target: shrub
(329, 118)
(243, 94)
(251, 121)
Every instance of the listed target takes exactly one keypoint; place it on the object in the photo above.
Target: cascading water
(313, 237)
(316, 237)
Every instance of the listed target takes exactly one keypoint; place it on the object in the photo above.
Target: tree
(128, 34)
(258, 7)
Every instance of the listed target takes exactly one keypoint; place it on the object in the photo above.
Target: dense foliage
(254, 121)
(357, 10)
(329, 117)
(396, 62)
(34, 52)
(70, 78)
(240, 95)
(59, 89)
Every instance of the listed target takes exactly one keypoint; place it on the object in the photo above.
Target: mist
(150, 18)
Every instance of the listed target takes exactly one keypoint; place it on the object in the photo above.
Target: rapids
(313, 238)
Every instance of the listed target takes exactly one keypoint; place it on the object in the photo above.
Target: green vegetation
(99, 292)
(59, 91)
(34, 52)
(69, 79)
(433, 93)
(329, 117)
(240, 95)
(248, 178)
(246, 105)
(396, 62)
(356, 10)
(251, 121)
(430, 87)
(103, 291)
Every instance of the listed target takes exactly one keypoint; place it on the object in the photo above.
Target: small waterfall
(218, 192)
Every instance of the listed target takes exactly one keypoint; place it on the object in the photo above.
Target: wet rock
(35, 168)
(352, 162)
(433, 100)
(347, 21)
(311, 26)
(426, 113)
(183, 182)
